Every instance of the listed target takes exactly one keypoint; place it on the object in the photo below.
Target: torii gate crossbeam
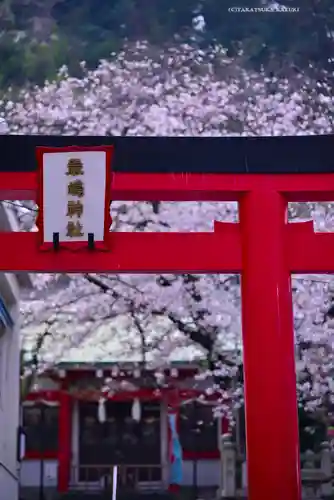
(263, 247)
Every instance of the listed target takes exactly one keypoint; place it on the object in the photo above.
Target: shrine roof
(254, 155)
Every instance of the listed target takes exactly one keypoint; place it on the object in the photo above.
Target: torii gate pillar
(268, 340)
(263, 175)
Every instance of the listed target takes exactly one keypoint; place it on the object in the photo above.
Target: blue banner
(176, 458)
(5, 317)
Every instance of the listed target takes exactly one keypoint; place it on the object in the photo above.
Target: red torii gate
(264, 175)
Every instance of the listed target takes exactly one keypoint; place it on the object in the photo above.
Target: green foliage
(38, 36)
(11, 55)
(312, 432)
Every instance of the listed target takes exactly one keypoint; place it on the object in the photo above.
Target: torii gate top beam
(214, 155)
(140, 166)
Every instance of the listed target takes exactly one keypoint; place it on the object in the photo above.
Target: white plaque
(74, 194)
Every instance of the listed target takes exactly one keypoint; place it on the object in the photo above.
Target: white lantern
(101, 411)
(136, 410)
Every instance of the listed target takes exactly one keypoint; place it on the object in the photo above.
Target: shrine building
(83, 417)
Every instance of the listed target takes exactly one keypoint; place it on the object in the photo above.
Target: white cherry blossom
(176, 92)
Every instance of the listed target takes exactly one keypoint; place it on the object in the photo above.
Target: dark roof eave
(88, 366)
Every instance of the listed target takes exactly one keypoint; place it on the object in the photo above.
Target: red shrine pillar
(269, 362)
(64, 441)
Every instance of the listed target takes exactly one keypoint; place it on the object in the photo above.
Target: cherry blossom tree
(177, 91)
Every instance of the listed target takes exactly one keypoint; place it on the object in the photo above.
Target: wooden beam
(130, 253)
(187, 187)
